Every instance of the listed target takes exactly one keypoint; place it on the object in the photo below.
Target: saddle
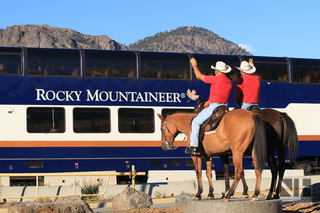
(213, 121)
(254, 108)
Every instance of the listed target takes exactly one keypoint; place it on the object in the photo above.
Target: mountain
(182, 39)
(188, 39)
(52, 37)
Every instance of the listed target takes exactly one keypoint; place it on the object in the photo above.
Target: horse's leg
(274, 172)
(238, 171)
(282, 168)
(209, 176)
(225, 162)
(245, 186)
(198, 168)
(258, 172)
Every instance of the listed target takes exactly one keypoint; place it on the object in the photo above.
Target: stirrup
(192, 151)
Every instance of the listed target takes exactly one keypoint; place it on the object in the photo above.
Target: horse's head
(200, 105)
(168, 133)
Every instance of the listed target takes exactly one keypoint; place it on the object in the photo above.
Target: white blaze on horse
(239, 132)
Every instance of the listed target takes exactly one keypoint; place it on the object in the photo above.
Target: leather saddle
(212, 123)
(254, 108)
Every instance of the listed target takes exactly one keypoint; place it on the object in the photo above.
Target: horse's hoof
(276, 197)
(254, 199)
(267, 197)
(245, 196)
(210, 198)
(197, 198)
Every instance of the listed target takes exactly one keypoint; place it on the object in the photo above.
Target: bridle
(200, 106)
(165, 127)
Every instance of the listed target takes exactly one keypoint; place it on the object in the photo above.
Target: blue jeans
(244, 105)
(199, 119)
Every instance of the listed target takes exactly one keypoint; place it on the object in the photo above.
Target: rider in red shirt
(247, 90)
(220, 92)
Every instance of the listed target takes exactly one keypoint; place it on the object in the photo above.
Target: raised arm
(199, 75)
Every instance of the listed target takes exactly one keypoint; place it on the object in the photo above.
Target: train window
(133, 120)
(91, 120)
(164, 65)
(10, 61)
(306, 70)
(188, 163)
(53, 62)
(205, 62)
(174, 163)
(170, 111)
(270, 69)
(102, 63)
(35, 164)
(45, 120)
(156, 162)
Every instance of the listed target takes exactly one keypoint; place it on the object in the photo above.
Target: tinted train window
(45, 120)
(306, 70)
(10, 61)
(164, 65)
(35, 164)
(102, 63)
(91, 120)
(155, 162)
(270, 69)
(53, 62)
(171, 111)
(206, 61)
(132, 120)
(174, 163)
(188, 163)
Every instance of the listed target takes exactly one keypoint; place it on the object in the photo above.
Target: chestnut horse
(238, 131)
(281, 133)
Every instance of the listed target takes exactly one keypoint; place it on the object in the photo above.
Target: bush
(90, 188)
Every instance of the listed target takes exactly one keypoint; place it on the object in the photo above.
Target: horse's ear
(161, 117)
(201, 98)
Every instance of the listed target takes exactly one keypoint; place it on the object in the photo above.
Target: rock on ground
(68, 204)
(184, 197)
(131, 199)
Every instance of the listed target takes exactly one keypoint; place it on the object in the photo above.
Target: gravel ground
(177, 209)
(293, 207)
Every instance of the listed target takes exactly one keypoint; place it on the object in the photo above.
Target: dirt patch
(301, 207)
(286, 208)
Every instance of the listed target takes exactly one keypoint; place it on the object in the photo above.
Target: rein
(165, 136)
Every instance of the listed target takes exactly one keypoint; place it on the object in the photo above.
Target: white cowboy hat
(221, 67)
(246, 67)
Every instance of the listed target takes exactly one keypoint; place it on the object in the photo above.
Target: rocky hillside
(182, 39)
(188, 39)
(53, 37)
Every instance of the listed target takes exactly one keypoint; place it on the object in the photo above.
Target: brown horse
(281, 133)
(238, 131)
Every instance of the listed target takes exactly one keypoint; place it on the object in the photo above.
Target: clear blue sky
(288, 28)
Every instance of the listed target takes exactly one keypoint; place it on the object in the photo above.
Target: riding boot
(192, 150)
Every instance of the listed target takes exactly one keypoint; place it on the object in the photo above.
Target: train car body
(69, 110)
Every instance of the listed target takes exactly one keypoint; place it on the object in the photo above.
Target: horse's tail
(260, 141)
(290, 135)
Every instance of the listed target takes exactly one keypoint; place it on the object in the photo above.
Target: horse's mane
(183, 113)
(178, 113)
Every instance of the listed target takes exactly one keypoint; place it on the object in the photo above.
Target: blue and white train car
(68, 110)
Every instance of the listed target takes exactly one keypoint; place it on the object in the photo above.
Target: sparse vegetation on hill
(182, 39)
(188, 39)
